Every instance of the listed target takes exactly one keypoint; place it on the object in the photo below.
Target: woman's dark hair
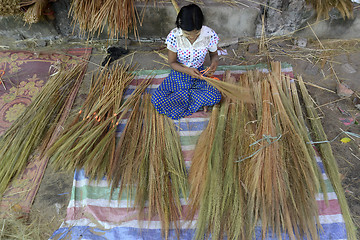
(190, 18)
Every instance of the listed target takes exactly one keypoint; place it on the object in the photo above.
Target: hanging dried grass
(323, 7)
(83, 12)
(328, 159)
(27, 132)
(9, 7)
(119, 17)
(34, 12)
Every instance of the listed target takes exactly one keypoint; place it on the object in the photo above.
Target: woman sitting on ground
(183, 92)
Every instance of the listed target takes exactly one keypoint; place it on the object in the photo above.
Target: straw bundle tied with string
(256, 165)
(149, 159)
(328, 159)
(282, 176)
(21, 140)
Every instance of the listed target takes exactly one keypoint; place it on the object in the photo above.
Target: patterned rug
(23, 74)
(93, 214)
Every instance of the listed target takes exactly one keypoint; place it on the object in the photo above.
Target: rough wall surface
(241, 20)
(227, 21)
(282, 17)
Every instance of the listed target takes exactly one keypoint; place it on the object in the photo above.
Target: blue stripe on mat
(181, 126)
(331, 231)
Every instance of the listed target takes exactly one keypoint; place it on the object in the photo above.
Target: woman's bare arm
(214, 59)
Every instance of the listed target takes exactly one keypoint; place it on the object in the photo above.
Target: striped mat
(91, 214)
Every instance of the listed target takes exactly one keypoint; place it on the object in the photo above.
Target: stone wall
(242, 20)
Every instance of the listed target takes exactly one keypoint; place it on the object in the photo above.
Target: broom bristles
(231, 90)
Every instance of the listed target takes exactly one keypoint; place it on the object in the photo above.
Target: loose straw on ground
(328, 160)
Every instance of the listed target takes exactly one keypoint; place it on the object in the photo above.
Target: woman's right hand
(193, 72)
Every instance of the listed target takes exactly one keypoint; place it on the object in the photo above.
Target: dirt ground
(314, 62)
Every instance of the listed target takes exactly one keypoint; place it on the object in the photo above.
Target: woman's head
(190, 18)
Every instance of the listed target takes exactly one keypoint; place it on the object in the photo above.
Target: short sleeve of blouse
(214, 40)
(171, 42)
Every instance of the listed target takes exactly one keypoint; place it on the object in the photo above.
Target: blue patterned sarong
(180, 95)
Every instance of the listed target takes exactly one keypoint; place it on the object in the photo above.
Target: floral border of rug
(25, 75)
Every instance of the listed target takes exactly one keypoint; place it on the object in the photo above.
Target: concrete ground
(314, 62)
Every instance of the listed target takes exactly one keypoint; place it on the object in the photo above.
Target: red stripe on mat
(187, 155)
(331, 209)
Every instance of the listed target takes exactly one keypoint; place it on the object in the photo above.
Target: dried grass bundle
(34, 11)
(323, 7)
(149, 157)
(275, 178)
(301, 169)
(93, 16)
(83, 12)
(89, 141)
(27, 132)
(231, 90)
(328, 159)
(199, 163)
(9, 7)
(264, 173)
(239, 136)
(199, 174)
(118, 16)
(282, 177)
(216, 192)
